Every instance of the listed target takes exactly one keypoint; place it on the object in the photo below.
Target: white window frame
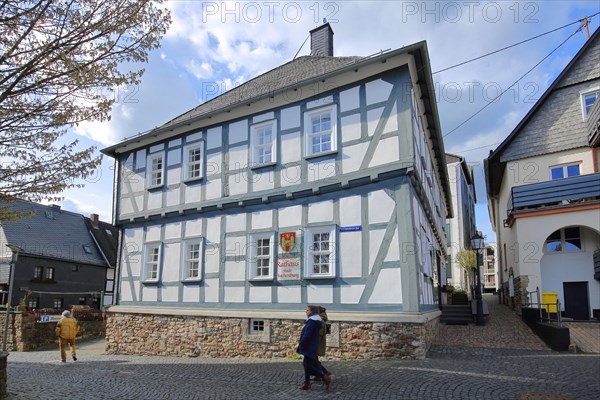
(150, 184)
(33, 302)
(188, 163)
(564, 168)
(252, 256)
(583, 94)
(309, 252)
(58, 303)
(185, 257)
(255, 145)
(49, 273)
(145, 271)
(308, 135)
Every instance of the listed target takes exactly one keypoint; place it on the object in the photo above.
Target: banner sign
(288, 257)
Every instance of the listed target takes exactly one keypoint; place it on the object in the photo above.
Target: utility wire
(517, 81)
(475, 148)
(513, 45)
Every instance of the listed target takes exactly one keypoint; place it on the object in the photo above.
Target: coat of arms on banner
(287, 241)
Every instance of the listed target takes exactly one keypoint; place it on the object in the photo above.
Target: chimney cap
(326, 24)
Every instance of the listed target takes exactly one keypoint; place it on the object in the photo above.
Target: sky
(212, 47)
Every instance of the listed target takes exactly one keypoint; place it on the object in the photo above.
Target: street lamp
(477, 244)
(13, 261)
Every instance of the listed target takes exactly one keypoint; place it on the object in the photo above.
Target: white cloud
(219, 45)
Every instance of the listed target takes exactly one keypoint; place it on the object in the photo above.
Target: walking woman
(308, 347)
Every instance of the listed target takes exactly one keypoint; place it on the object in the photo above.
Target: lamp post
(11, 276)
(477, 243)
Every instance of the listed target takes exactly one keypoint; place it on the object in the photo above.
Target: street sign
(50, 318)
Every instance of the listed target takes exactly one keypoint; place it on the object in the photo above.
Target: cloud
(223, 44)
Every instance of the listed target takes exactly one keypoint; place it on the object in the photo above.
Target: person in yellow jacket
(66, 330)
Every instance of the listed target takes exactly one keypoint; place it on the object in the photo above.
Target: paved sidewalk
(503, 329)
(585, 335)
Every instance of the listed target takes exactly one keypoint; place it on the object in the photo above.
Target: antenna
(301, 47)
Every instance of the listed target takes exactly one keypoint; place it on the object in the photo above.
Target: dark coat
(323, 334)
(309, 337)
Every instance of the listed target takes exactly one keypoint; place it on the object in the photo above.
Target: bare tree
(60, 64)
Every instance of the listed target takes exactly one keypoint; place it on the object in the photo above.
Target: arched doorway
(567, 269)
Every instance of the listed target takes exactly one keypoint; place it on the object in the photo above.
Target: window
(87, 249)
(192, 161)
(155, 170)
(192, 259)
(320, 131)
(449, 267)
(38, 272)
(264, 148)
(261, 256)
(319, 252)
(49, 273)
(566, 239)
(256, 330)
(58, 304)
(588, 99)
(564, 171)
(33, 303)
(257, 326)
(151, 262)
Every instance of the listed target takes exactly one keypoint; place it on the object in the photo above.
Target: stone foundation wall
(520, 300)
(192, 336)
(521, 282)
(25, 334)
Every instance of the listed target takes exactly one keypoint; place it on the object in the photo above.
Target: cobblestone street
(501, 360)
(448, 373)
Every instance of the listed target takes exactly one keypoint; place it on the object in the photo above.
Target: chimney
(94, 218)
(55, 207)
(321, 41)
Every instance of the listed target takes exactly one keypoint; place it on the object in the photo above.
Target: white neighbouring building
(322, 181)
(543, 188)
(461, 228)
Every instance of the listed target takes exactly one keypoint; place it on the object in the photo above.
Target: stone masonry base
(192, 336)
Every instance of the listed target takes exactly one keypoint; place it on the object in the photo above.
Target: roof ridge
(256, 78)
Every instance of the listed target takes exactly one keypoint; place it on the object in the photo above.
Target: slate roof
(555, 122)
(293, 72)
(51, 232)
(106, 235)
